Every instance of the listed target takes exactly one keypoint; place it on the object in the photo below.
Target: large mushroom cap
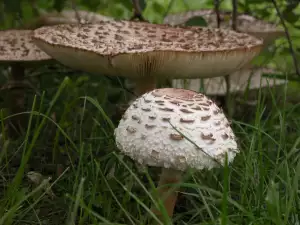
(146, 132)
(17, 46)
(245, 23)
(240, 81)
(136, 49)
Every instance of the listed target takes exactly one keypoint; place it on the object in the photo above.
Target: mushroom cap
(17, 46)
(245, 23)
(146, 132)
(136, 49)
(240, 81)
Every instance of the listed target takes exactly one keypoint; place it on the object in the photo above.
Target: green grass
(101, 186)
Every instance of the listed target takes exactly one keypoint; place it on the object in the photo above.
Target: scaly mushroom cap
(17, 46)
(245, 23)
(146, 132)
(136, 49)
(240, 81)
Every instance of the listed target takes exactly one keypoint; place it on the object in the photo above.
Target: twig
(137, 11)
(217, 11)
(287, 34)
(234, 14)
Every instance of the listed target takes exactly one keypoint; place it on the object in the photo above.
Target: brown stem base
(168, 194)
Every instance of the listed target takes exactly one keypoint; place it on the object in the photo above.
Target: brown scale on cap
(166, 119)
(207, 137)
(17, 46)
(186, 111)
(187, 120)
(174, 102)
(131, 129)
(198, 108)
(147, 100)
(205, 118)
(225, 136)
(138, 119)
(166, 109)
(204, 104)
(152, 117)
(159, 101)
(176, 137)
(150, 126)
(216, 112)
(146, 109)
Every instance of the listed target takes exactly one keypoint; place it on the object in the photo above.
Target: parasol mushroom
(147, 52)
(175, 129)
(245, 23)
(18, 51)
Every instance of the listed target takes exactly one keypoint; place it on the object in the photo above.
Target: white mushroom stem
(144, 85)
(16, 100)
(167, 192)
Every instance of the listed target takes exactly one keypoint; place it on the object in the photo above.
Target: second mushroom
(18, 51)
(175, 129)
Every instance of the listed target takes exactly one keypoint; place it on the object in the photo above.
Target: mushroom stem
(168, 194)
(144, 85)
(16, 100)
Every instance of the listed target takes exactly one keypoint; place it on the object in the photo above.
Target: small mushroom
(175, 153)
(18, 51)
